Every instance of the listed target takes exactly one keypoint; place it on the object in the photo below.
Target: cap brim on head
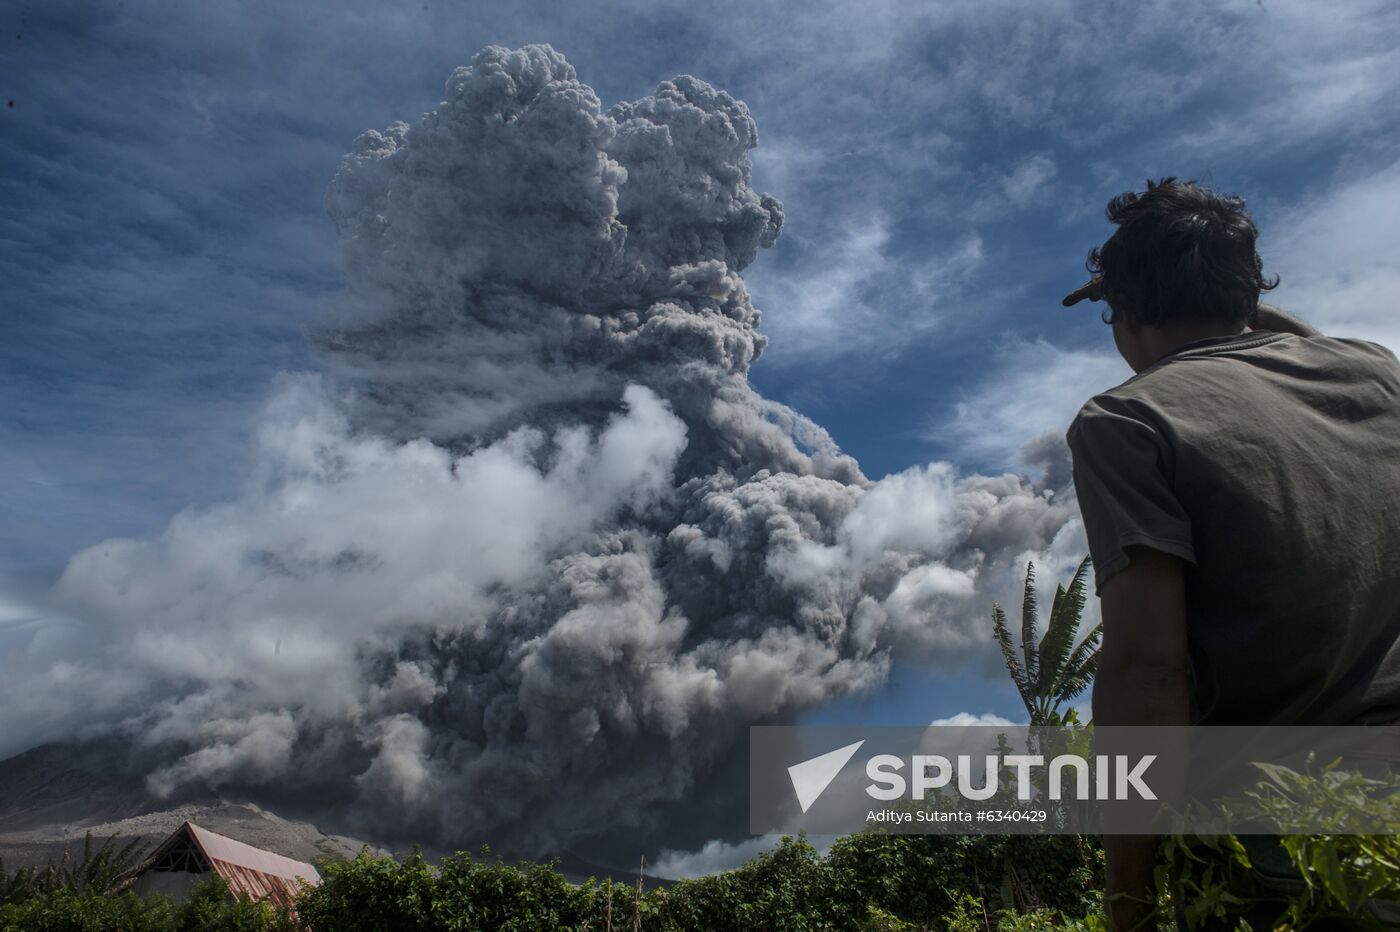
(1091, 290)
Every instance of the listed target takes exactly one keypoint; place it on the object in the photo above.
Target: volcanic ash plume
(527, 561)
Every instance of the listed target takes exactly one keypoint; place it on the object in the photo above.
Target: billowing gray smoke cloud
(525, 565)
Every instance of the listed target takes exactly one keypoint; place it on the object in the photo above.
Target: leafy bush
(210, 908)
(86, 895)
(473, 894)
(1294, 879)
(869, 882)
(371, 893)
(99, 872)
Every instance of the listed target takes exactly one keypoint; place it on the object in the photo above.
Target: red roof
(247, 870)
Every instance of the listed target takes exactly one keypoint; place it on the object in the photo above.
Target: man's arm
(1142, 680)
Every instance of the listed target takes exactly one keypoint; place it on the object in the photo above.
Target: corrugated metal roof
(218, 847)
(248, 870)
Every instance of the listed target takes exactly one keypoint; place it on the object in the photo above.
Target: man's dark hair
(1181, 252)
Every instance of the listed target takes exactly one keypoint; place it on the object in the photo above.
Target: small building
(179, 862)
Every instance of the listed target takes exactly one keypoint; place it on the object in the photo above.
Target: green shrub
(870, 882)
(1294, 879)
(67, 911)
(100, 869)
(789, 887)
(472, 894)
(370, 893)
(210, 908)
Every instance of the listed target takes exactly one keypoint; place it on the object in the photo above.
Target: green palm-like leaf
(1078, 680)
(1082, 665)
(1008, 653)
(1052, 669)
(1029, 617)
(1055, 646)
(1065, 614)
(1087, 648)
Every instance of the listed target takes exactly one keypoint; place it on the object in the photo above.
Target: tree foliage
(1050, 669)
(867, 881)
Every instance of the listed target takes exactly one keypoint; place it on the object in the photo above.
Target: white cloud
(938, 277)
(967, 719)
(1336, 258)
(714, 857)
(847, 293)
(819, 304)
(717, 856)
(1026, 183)
(1034, 388)
(337, 541)
(14, 612)
(1161, 89)
(1331, 71)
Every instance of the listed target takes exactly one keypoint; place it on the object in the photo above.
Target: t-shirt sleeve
(1124, 494)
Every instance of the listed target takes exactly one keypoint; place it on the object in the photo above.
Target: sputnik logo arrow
(811, 777)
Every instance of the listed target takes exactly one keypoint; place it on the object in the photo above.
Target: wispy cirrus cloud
(849, 291)
(1029, 179)
(1032, 389)
(1335, 255)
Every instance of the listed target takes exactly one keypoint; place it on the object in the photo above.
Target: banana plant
(1051, 670)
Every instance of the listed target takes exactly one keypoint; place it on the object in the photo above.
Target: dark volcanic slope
(61, 784)
(54, 795)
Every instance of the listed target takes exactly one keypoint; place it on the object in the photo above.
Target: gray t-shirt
(1271, 464)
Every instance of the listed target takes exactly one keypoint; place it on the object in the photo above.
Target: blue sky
(943, 167)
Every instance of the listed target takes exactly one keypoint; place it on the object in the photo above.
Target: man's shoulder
(1178, 378)
(1131, 400)
(1219, 386)
(1265, 347)
(1276, 359)
(1363, 352)
(1110, 418)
